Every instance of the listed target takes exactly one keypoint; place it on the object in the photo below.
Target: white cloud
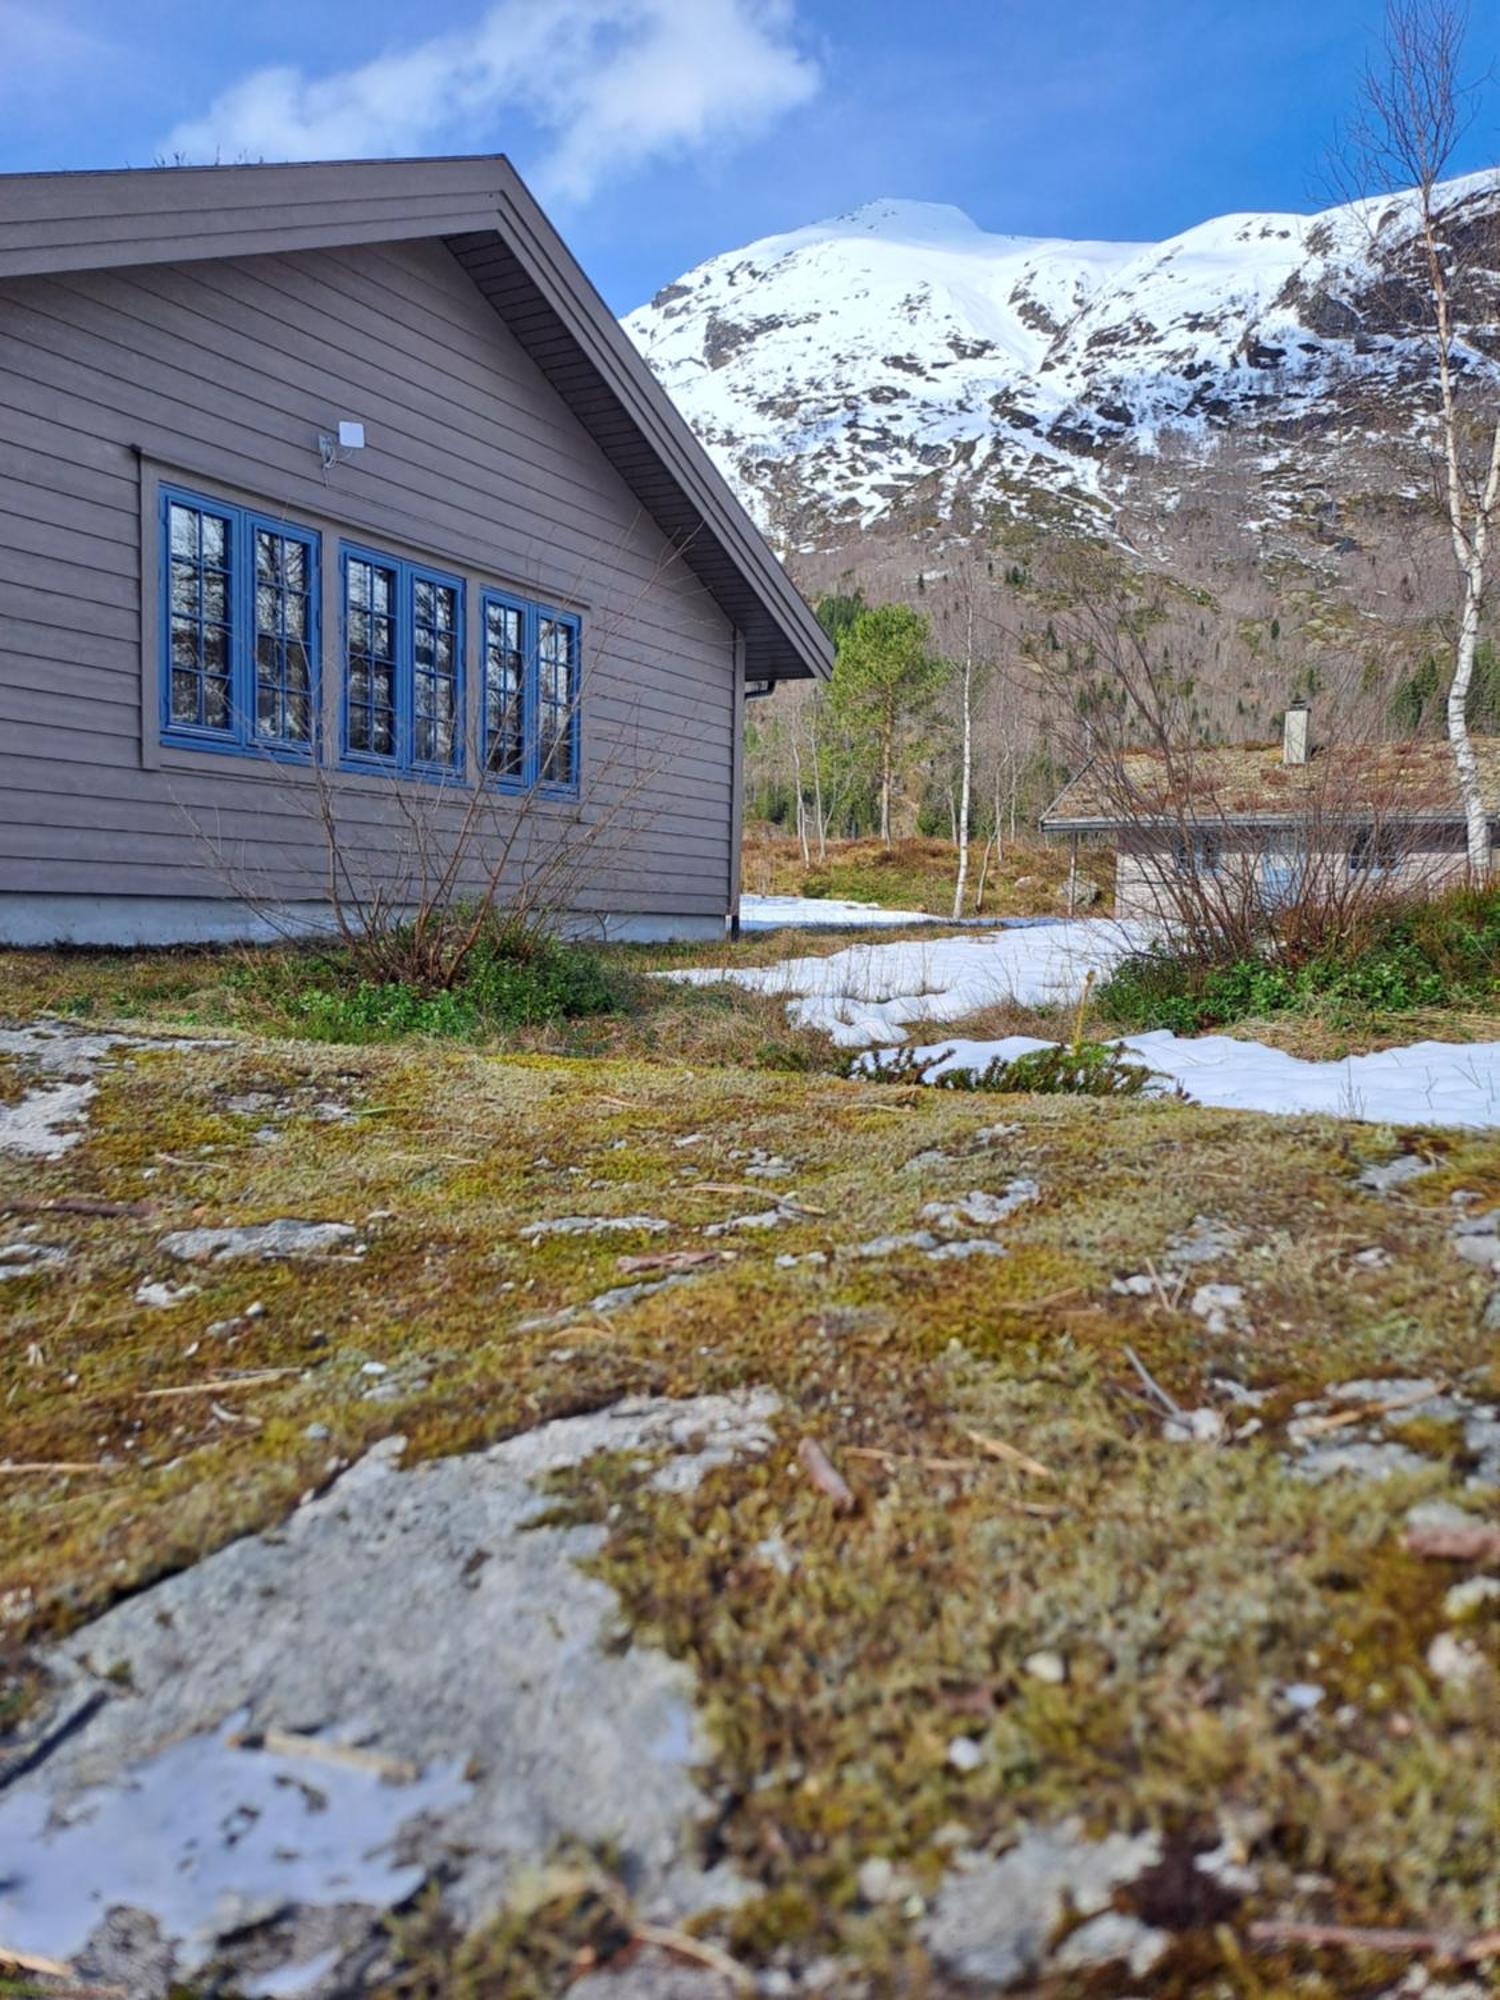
(611, 83)
(38, 46)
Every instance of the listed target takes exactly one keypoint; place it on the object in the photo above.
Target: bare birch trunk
(1469, 521)
(966, 776)
(817, 757)
(797, 782)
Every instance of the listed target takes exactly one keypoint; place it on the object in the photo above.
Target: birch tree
(1414, 114)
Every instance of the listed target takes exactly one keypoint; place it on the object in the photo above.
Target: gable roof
(1249, 785)
(479, 206)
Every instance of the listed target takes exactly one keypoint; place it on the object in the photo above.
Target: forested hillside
(1234, 434)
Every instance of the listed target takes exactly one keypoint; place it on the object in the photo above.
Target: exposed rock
(964, 1754)
(21, 1260)
(1108, 1939)
(1205, 1242)
(300, 1774)
(1195, 1427)
(48, 1119)
(1439, 1516)
(1360, 1459)
(163, 1294)
(650, 1975)
(995, 1135)
(973, 1246)
(766, 1218)
(1220, 1307)
(1076, 892)
(1137, 1285)
(1482, 1440)
(880, 1881)
(1472, 1598)
(1302, 1697)
(980, 1209)
(1454, 1661)
(887, 1246)
(1397, 1173)
(595, 1225)
(1046, 1666)
(994, 1919)
(1480, 1249)
(282, 1238)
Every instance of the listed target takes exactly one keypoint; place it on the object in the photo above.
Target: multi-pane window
(504, 689)
(434, 625)
(403, 665)
(531, 671)
(200, 694)
(239, 628)
(557, 699)
(370, 641)
(283, 637)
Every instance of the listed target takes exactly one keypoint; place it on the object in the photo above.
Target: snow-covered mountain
(842, 371)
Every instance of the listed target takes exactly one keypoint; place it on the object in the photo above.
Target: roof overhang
(479, 206)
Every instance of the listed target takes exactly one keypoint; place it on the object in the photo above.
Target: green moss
(836, 1656)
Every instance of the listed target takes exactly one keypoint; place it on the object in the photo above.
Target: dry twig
(671, 1260)
(1356, 1937)
(349, 1756)
(218, 1383)
(1173, 1409)
(1340, 1419)
(997, 1448)
(73, 1204)
(53, 1465)
(681, 1944)
(1479, 1542)
(820, 1469)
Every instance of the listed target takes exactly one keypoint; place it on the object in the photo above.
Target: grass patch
(506, 984)
(555, 999)
(1441, 954)
(918, 874)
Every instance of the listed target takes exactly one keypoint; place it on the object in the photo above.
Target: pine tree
(884, 681)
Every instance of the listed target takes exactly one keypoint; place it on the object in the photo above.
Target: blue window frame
(531, 676)
(403, 665)
(239, 625)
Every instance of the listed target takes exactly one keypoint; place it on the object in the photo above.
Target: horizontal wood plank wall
(224, 374)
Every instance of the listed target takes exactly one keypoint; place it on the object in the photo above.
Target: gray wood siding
(221, 374)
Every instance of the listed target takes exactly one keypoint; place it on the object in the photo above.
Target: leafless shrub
(1238, 852)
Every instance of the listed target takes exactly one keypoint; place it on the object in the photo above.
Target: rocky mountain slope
(900, 356)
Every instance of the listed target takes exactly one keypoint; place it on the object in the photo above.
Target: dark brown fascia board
(99, 220)
(567, 288)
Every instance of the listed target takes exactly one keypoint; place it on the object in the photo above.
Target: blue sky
(660, 132)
